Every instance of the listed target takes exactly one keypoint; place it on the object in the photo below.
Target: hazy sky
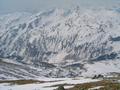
(7, 6)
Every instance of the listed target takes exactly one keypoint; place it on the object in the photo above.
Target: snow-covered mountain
(62, 43)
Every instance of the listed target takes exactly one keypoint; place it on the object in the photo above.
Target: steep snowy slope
(63, 42)
(10, 20)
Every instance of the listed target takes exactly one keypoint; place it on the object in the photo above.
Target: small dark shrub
(61, 87)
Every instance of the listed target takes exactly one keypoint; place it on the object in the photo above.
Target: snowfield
(102, 67)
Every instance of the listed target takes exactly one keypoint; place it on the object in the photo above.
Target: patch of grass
(111, 86)
(107, 85)
(21, 82)
(65, 84)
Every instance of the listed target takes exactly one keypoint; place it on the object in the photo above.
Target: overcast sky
(9, 6)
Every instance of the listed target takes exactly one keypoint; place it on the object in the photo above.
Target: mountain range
(59, 43)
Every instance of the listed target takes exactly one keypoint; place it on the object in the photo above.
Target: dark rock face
(110, 56)
(115, 39)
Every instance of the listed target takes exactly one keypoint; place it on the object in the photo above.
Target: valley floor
(43, 83)
(79, 83)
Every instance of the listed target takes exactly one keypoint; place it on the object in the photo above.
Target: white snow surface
(103, 67)
(95, 88)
